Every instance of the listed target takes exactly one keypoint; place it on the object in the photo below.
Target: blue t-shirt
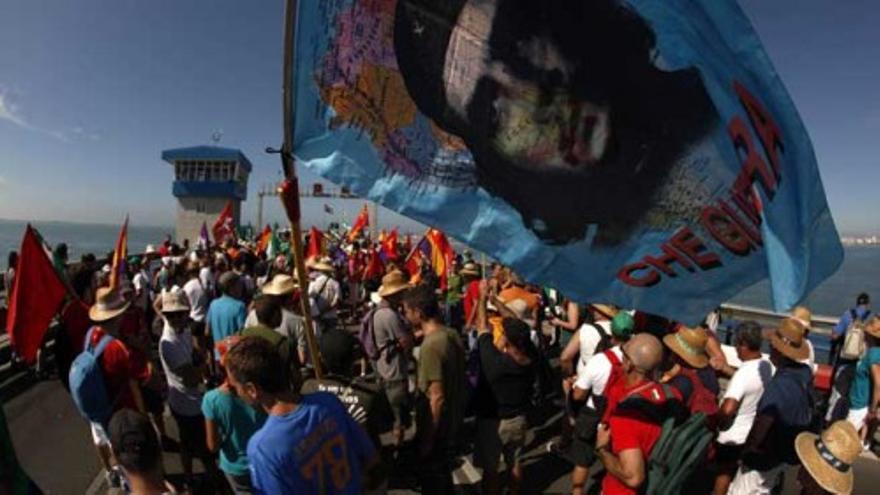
(226, 316)
(860, 393)
(237, 422)
(317, 448)
(846, 319)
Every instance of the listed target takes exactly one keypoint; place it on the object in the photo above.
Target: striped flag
(361, 222)
(120, 252)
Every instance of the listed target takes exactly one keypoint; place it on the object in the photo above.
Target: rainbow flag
(120, 252)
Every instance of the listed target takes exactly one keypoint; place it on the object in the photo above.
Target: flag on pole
(441, 255)
(224, 226)
(361, 222)
(388, 247)
(204, 238)
(316, 247)
(375, 268)
(120, 252)
(265, 237)
(35, 297)
(665, 168)
(273, 248)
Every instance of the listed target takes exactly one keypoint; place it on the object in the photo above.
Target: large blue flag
(640, 152)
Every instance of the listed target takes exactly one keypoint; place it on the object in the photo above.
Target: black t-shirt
(511, 383)
(366, 402)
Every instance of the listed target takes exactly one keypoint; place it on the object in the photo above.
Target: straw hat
(690, 345)
(323, 265)
(109, 304)
(280, 285)
(829, 457)
(392, 283)
(803, 315)
(174, 301)
(605, 310)
(470, 269)
(789, 340)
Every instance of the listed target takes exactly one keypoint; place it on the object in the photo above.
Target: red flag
(441, 254)
(375, 268)
(315, 248)
(120, 252)
(389, 246)
(224, 227)
(265, 237)
(362, 221)
(36, 295)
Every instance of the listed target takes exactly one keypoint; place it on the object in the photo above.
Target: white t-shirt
(589, 338)
(746, 387)
(175, 350)
(328, 290)
(207, 279)
(596, 374)
(198, 299)
(141, 283)
(811, 359)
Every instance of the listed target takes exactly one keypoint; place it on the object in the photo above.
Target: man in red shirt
(624, 445)
(124, 371)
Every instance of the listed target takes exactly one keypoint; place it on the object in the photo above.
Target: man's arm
(212, 436)
(436, 399)
(628, 466)
(566, 359)
(726, 414)
(875, 395)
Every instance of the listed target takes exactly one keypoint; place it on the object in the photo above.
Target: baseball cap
(622, 325)
(134, 441)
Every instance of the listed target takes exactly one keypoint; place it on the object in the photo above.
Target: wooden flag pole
(289, 193)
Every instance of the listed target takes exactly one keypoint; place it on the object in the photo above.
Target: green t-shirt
(442, 359)
(237, 422)
(860, 393)
(453, 289)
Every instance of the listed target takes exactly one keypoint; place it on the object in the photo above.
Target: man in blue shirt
(309, 444)
(838, 333)
(844, 369)
(226, 314)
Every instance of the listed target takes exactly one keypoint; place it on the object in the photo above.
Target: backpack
(86, 381)
(367, 336)
(678, 454)
(702, 400)
(600, 402)
(854, 344)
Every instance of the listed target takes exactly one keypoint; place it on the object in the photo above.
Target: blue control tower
(205, 179)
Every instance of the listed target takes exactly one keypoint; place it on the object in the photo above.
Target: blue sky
(91, 91)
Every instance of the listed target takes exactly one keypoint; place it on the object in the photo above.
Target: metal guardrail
(821, 324)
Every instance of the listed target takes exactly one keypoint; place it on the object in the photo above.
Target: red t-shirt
(471, 298)
(120, 365)
(75, 318)
(631, 431)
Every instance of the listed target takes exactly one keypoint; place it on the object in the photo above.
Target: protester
(591, 387)
(197, 297)
(509, 371)
(624, 445)
(9, 274)
(282, 289)
(394, 343)
(844, 369)
(470, 274)
(859, 312)
(827, 459)
(441, 390)
(123, 372)
(308, 444)
(690, 372)
(139, 453)
(784, 411)
(229, 424)
(269, 317)
(567, 322)
(740, 402)
(325, 293)
(226, 314)
(141, 283)
(864, 395)
(805, 317)
(184, 376)
(588, 339)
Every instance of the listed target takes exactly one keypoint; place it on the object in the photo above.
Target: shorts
(99, 435)
(754, 482)
(497, 438)
(191, 430)
(728, 453)
(397, 392)
(583, 441)
(857, 417)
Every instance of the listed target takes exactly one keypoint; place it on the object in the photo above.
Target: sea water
(860, 271)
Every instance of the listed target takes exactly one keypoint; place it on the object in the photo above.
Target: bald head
(645, 352)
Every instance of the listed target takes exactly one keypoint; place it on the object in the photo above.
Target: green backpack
(679, 451)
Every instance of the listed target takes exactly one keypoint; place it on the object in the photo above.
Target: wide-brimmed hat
(322, 265)
(829, 457)
(109, 304)
(606, 310)
(174, 301)
(470, 269)
(803, 315)
(789, 339)
(151, 249)
(280, 285)
(392, 283)
(690, 345)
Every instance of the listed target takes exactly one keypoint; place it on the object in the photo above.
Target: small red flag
(389, 246)
(315, 248)
(36, 296)
(224, 227)
(375, 268)
(362, 221)
(120, 252)
(265, 237)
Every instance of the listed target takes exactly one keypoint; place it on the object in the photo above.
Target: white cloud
(11, 112)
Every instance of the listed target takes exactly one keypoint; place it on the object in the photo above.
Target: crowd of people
(412, 369)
